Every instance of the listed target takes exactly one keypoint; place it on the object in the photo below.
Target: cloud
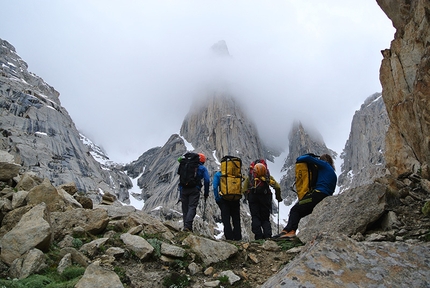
(127, 71)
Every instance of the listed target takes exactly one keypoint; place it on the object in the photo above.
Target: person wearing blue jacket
(230, 211)
(190, 195)
(325, 186)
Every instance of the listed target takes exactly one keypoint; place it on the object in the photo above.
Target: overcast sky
(127, 71)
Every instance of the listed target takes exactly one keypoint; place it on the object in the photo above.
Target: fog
(128, 71)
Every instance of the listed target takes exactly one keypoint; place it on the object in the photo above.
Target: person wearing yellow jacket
(257, 188)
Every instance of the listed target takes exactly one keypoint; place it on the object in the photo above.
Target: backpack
(187, 170)
(256, 184)
(231, 178)
(306, 178)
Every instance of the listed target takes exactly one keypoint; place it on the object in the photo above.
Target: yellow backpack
(306, 178)
(231, 178)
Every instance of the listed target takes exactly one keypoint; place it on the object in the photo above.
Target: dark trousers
(189, 199)
(230, 212)
(303, 208)
(260, 206)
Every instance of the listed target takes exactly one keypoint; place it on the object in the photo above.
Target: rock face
(301, 141)
(217, 123)
(363, 155)
(42, 137)
(405, 79)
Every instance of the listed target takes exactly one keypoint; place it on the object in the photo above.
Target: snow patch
(219, 227)
(216, 159)
(187, 144)
(136, 203)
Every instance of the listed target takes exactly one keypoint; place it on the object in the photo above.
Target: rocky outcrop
(359, 237)
(42, 137)
(373, 230)
(405, 79)
(112, 246)
(352, 212)
(363, 155)
(301, 141)
(329, 262)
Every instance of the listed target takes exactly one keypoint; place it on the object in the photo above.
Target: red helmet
(202, 158)
(260, 170)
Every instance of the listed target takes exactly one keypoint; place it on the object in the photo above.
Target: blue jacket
(215, 183)
(327, 179)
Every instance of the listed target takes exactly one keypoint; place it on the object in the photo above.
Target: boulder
(48, 194)
(352, 211)
(334, 260)
(150, 224)
(91, 221)
(97, 274)
(210, 251)
(32, 231)
(137, 244)
(27, 181)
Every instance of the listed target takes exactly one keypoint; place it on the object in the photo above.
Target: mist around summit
(308, 60)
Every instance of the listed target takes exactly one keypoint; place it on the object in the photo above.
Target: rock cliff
(363, 155)
(42, 137)
(405, 79)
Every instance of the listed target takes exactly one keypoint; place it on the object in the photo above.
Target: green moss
(223, 279)
(121, 274)
(426, 237)
(178, 264)
(176, 280)
(426, 209)
(156, 244)
(72, 272)
(77, 243)
(289, 244)
(49, 279)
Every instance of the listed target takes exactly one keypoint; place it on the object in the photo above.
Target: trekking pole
(179, 194)
(278, 217)
(204, 211)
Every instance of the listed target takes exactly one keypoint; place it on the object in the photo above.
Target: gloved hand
(279, 198)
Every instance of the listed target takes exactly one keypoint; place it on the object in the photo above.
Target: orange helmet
(260, 170)
(202, 158)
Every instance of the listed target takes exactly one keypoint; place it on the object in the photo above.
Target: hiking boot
(283, 232)
(186, 229)
(287, 235)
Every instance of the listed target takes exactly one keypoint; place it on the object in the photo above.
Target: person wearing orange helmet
(190, 194)
(257, 188)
